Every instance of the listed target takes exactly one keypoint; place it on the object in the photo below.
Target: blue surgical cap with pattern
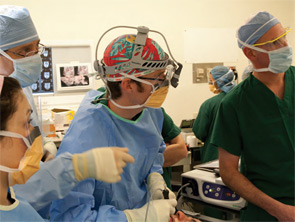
(16, 27)
(255, 28)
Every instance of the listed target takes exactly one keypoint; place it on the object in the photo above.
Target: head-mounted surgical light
(136, 61)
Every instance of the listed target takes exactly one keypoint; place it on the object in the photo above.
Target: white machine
(204, 185)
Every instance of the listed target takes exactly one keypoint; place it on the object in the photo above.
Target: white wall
(88, 19)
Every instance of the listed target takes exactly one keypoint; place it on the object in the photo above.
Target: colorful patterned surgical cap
(120, 50)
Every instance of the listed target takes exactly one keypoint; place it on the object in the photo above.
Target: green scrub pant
(254, 213)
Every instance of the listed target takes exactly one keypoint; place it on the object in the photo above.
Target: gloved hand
(105, 164)
(158, 210)
(49, 149)
(156, 185)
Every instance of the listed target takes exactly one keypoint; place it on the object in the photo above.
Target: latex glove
(49, 149)
(47, 156)
(156, 185)
(158, 210)
(105, 164)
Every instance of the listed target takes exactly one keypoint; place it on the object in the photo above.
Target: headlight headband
(136, 62)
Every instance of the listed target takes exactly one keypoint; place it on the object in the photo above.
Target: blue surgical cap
(16, 27)
(223, 77)
(256, 27)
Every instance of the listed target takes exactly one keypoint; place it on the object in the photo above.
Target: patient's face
(181, 217)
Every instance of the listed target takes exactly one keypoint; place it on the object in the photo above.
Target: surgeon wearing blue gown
(255, 121)
(19, 59)
(21, 152)
(128, 115)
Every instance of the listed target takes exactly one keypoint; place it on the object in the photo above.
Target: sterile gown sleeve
(80, 203)
(54, 180)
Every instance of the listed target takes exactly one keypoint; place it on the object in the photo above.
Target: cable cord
(179, 191)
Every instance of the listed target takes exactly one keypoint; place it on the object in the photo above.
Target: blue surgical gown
(95, 125)
(20, 210)
(54, 180)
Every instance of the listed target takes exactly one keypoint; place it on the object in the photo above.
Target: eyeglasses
(276, 39)
(155, 79)
(161, 77)
(160, 80)
(40, 51)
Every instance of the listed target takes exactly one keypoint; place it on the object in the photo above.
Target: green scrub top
(252, 122)
(203, 126)
(169, 131)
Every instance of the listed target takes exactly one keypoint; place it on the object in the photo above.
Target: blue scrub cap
(223, 77)
(256, 27)
(16, 27)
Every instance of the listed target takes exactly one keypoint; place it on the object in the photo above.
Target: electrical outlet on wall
(200, 73)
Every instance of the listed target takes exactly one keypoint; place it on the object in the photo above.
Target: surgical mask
(26, 70)
(30, 163)
(157, 97)
(279, 60)
(213, 89)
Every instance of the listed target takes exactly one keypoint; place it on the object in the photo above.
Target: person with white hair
(255, 122)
